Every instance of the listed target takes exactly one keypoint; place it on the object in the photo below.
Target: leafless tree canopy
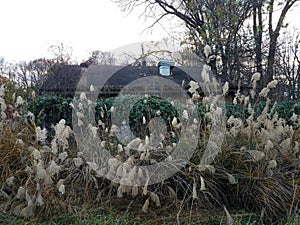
(244, 35)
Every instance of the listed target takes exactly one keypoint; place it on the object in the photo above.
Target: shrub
(256, 169)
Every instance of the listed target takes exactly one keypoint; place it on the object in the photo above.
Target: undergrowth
(254, 168)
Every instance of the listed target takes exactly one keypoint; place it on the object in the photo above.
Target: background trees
(244, 35)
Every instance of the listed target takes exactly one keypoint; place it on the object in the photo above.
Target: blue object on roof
(164, 70)
(165, 67)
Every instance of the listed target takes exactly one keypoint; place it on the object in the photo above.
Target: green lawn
(100, 217)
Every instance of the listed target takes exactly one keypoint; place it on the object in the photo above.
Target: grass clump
(255, 168)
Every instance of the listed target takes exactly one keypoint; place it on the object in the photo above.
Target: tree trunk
(273, 35)
(257, 30)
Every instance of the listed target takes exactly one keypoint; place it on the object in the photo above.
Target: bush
(256, 169)
(51, 109)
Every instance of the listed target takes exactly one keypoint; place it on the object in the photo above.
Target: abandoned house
(65, 80)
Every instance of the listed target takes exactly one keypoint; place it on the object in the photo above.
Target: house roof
(62, 79)
(70, 78)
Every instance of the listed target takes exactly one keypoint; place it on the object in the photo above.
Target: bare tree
(274, 32)
(287, 65)
(215, 23)
(101, 58)
(220, 24)
(61, 53)
(29, 74)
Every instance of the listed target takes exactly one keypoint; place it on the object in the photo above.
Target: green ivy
(51, 109)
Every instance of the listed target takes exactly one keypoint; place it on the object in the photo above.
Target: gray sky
(29, 27)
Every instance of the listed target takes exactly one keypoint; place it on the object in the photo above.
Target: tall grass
(256, 169)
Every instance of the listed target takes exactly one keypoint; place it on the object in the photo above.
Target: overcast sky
(29, 27)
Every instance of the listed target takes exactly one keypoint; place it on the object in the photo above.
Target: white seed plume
(154, 197)
(38, 187)
(209, 168)
(132, 173)
(264, 92)
(207, 51)
(141, 148)
(231, 179)
(62, 189)
(21, 193)
(202, 184)
(78, 161)
(93, 130)
(80, 106)
(193, 87)
(113, 162)
(205, 73)
(2, 90)
(82, 96)
(172, 193)
(230, 220)
(195, 190)
(62, 156)
(144, 120)
(185, 115)
(145, 206)
(252, 94)
(121, 172)
(272, 164)
(40, 171)
(255, 77)
(80, 123)
(174, 122)
(169, 158)
(103, 143)
(147, 141)
(20, 101)
(54, 147)
(269, 146)
(182, 83)
(93, 166)
(28, 198)
(30, 115)
(53, 168)
(39, 200)
(142, 156)
(285, 145)
(120, 148)
(10, 181)
(36, 154)
(80, 115)
(234, 101)
(92, 88)
(256, 155)
(225, 88)
(140, 174)
(272, 84)
(113, 130)
(33, 94)
(134, 143)
(120, 191)
(44, 134)
(145, 188)
(135, 190)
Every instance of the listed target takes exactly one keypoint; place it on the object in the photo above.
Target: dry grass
(257, 170)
